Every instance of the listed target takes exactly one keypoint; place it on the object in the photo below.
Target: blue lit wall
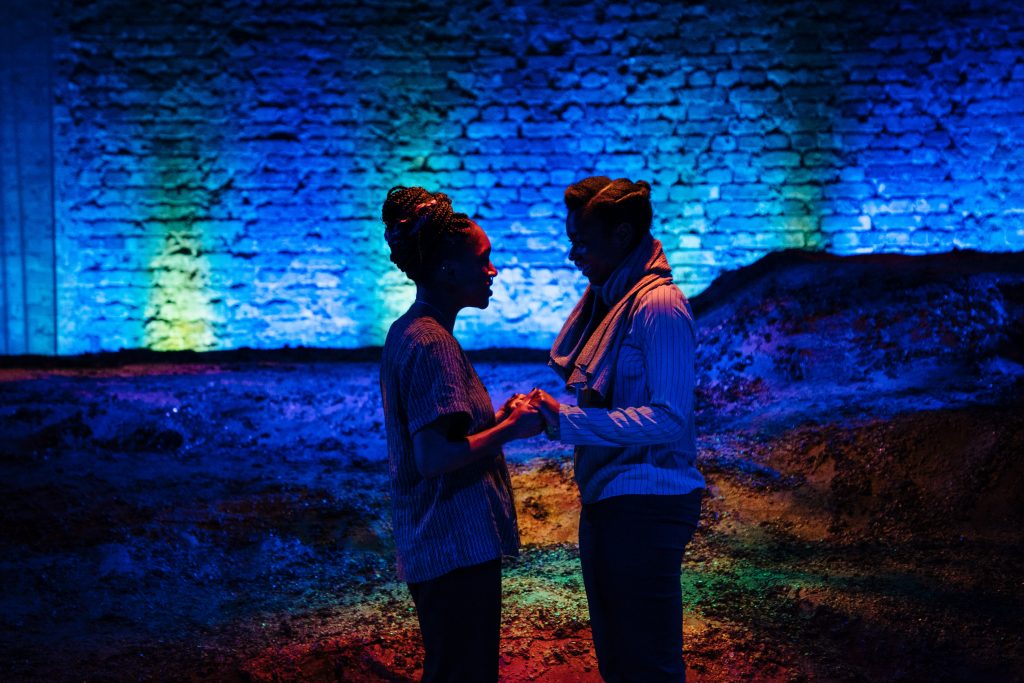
(27, 242)
(220, 165)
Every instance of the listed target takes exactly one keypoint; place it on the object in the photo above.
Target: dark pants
(460, 619)
(631, 550)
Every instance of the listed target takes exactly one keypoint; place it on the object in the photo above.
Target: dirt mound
(864, 323)
(876, 395)
(933, 474)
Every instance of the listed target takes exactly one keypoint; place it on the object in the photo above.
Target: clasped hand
(529, 412)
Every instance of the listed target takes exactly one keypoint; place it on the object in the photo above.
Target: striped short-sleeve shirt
(457, 519)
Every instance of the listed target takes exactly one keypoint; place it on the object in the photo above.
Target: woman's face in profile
(593, 252)
(472, 271)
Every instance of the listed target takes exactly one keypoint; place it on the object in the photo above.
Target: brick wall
(221, 165)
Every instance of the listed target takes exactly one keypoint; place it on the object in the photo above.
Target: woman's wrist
(503, 431)
(553, 420)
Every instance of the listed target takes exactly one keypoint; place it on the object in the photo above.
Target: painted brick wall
(221, 164)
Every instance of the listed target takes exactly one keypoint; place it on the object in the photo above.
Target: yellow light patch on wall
(180, 313)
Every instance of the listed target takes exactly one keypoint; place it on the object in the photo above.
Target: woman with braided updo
(451, 495)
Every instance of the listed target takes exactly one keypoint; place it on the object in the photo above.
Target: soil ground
(225, 516)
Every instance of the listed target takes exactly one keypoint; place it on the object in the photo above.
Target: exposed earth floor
(225, 516)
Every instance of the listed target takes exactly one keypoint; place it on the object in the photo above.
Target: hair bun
(414, 219)
(613, 201)
(399, 210)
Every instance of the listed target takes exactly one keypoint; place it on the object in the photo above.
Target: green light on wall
(180, 310)
(180, 313)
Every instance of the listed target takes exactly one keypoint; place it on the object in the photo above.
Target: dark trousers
(460, 619)
(631, 550)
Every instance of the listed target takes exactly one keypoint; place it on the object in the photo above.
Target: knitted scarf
(585, 351)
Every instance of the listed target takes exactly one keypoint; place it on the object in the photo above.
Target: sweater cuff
(565, 425)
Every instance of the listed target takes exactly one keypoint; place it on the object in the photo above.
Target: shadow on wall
(767, 165)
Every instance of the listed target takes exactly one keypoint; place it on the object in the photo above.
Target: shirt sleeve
(436, 382)
(665, 332)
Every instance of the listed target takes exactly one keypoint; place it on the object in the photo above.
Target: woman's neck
(436, 305)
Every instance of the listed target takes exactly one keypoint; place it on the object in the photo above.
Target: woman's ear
(622, 236)
(446, 273)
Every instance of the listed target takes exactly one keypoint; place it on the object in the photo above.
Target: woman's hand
(524, 420)
(547, 405)
(506, 409)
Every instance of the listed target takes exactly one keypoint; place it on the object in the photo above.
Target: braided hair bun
(612, 201)
(417, 227)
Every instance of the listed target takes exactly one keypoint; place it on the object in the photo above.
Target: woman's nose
(491, 270)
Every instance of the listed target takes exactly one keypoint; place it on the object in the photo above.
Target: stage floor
(225, 516)
(229, 521)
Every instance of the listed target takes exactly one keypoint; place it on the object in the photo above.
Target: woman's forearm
(437, 454)
(630, 426)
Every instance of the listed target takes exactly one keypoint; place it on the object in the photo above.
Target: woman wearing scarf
(627, 352)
